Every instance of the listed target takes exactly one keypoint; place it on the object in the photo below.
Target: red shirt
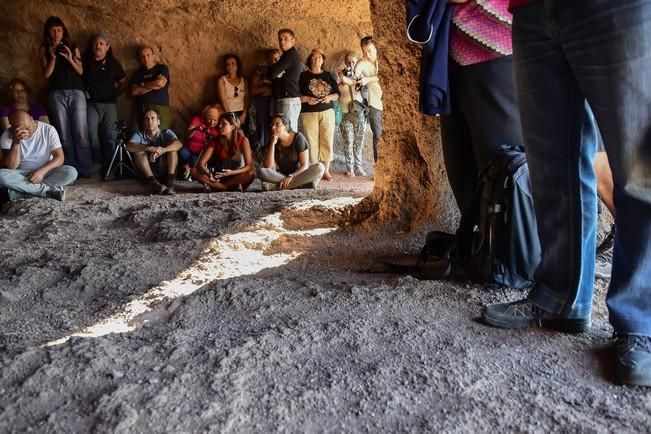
(196, 141)
(515, 3)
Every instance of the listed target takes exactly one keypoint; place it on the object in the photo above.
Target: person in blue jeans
(567, 52)
(63, 68)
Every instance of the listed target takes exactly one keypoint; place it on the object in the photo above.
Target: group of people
(567, 81)
(286, 115)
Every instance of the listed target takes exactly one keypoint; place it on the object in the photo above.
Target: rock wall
(192, 35)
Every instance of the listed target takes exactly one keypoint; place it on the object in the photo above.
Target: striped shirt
(480, 31)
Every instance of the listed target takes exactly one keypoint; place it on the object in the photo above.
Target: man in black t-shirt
(105, 80)
(149, 87)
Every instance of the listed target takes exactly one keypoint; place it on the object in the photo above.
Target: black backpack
(497, 240)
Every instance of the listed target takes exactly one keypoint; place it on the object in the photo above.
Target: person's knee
(5, 175)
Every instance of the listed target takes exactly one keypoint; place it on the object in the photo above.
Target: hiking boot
(57, 193)
(157, 187)
(523, 313)
(633, 361)
(604, 262)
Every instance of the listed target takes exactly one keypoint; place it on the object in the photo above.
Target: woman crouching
(227, 163)
(285, 163)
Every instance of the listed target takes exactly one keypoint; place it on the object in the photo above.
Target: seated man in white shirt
(33, 160)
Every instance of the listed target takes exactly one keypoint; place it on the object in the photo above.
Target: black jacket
(285, 74)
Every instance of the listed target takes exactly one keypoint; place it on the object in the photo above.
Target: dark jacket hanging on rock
(429, 26)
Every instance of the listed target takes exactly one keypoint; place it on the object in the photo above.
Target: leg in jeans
(18, 184)
(93, 116)
(291, 107)
(108, 133)
(59, 109)
(79, 128)
(375, 119)
(61, 176)
(616, 84)
(561, 142)
(269, 175)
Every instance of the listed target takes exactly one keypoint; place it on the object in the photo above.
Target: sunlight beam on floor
(230, 256)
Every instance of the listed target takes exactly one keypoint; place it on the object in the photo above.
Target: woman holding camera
(201, 133)
(317, 121)
(63, 69)
(354, 122)
(227, 163)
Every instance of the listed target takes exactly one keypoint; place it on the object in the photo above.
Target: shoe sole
(633, 380)
(561, 325)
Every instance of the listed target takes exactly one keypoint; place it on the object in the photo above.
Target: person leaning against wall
(63, 68)
(317, 120)
(105, 80)
(150, 88)
(284, 75)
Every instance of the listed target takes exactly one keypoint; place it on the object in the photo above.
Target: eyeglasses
(236, 92)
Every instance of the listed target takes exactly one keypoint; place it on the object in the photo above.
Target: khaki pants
(319, 130)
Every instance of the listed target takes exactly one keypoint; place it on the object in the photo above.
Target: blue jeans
(567, 52)
(68, 109)
(291, 107)
(102, 131)
(17, 182)
(187, 157)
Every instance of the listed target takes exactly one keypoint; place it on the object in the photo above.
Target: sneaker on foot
(633, 362)
(57, 193)
(523, 313)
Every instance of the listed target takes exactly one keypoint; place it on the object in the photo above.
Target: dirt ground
(257, 312)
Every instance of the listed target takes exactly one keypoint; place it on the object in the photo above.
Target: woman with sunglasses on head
(19, 93)
(227, 163)
(317, 121)
(232, 92)
(285, 163)
(63, 69)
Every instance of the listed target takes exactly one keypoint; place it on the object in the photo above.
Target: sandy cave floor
(253, 312)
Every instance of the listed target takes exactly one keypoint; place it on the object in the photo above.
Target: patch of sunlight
(228, 257)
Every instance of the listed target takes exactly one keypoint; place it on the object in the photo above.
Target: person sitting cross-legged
(156, 149)
(227, 164)
(33, 160)
(285, 164)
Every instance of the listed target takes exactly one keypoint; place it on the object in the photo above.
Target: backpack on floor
(497, 240)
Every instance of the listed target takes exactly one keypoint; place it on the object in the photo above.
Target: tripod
(120, 150)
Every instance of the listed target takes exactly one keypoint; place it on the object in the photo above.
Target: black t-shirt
(100, 77)
(64, 76)
(158, 96)
(287, 157)
(284, 75)
(317, 86)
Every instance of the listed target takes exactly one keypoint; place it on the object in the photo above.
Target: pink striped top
(480, 31)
